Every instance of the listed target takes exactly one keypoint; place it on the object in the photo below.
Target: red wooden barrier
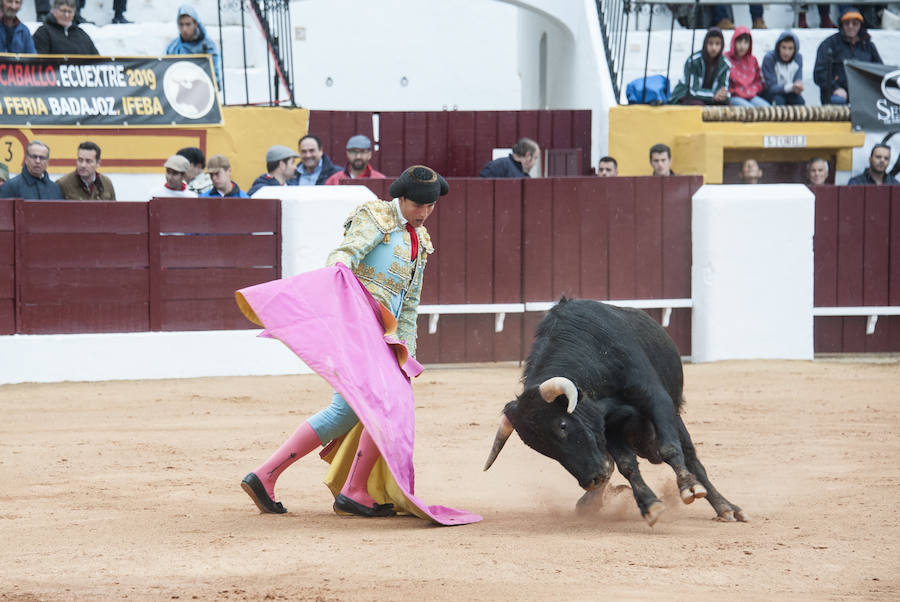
(458, 143)
(7, 267)
(82, 266)
(857, 263)
(509, 241)
(171, 264)
(207, 249)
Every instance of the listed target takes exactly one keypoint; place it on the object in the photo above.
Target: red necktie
(415, 241)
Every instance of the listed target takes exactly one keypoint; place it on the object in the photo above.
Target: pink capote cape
(335, 325)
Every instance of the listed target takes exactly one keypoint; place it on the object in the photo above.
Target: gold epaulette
(381, 212)
(425, 239)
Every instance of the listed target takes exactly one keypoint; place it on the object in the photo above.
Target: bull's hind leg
(668, 435)
(627, 463)
(725, 510)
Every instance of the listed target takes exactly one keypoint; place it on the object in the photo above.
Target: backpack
(656, 91)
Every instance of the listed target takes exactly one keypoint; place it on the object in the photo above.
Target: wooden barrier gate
(167, 264)
(174, 264)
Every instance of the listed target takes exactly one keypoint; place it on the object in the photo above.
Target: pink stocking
(366, 455)
(303, 441)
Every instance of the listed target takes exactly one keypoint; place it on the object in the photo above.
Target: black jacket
(504, 167)
(829, 73)
(52, 38)
(26, 186)
(866, 178)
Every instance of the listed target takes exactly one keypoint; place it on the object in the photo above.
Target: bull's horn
(503, 432)
(559, 385)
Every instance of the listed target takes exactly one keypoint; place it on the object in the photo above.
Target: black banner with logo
(44, 90)
(874, 95)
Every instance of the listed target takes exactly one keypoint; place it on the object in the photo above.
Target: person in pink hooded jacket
(745, 79)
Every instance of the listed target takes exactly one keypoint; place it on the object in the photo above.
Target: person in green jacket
(705, 79)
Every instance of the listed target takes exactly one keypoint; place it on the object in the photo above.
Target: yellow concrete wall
(702, 147)
(244, 138)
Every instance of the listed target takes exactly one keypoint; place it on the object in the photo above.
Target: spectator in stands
(219, 170)
(744, 78)
(525, 154)
(359, 152)
(782, 72)
(175, 184)
(723, 16)
(315, 166)
(196, 178)
(60, 34)
(15, 36)
(279, 168)
(4, 174)
(750, 172)
(607, 167)
(705, 78)
(193, 39)
(119, 8)
(661, 160)
(876, 173)
(825, 21)
(34, 182)
(817, 171)
(42, 10)
(85, 184)
(851, 42)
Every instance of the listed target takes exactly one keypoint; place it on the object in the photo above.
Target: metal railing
(273, 17)
(619, 18)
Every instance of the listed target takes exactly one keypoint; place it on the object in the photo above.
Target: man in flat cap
(359, 153)
(219, 170)
(175, 184)
(386, 246)
(279, 168)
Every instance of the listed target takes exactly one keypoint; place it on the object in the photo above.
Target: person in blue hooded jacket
(15, 36)
(192, 39)
(782, 72)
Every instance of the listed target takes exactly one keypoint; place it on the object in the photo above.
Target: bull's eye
(562, 428)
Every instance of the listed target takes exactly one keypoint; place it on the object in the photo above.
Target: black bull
(603, 384)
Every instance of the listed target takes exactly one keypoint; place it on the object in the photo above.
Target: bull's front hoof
(654, 512)
(590, 503)
(694, 492)
(730, 516)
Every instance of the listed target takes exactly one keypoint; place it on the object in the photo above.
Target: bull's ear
(511, 409)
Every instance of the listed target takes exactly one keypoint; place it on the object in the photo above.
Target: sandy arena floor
(130, 490)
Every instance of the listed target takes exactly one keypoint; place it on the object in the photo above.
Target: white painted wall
(752, 272)
(453, 54)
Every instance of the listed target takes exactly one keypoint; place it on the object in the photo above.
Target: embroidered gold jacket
(378, 249)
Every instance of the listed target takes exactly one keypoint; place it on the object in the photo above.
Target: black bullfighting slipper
(344, 505)
(257, 492)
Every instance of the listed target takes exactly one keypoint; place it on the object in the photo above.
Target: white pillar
(312, 222)
(752, 272)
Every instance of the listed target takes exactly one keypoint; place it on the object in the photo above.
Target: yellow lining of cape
(381, 484)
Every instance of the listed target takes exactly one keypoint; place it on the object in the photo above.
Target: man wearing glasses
(33, 183)
(359, 152)
(60, 34)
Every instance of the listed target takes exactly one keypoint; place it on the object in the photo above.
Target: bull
(603, 385)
